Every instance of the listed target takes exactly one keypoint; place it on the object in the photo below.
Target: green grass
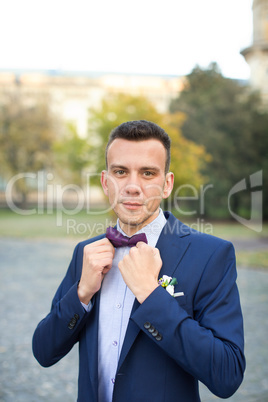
(83, 225)
(256, 259)
(56, 225)
(227, 230)
(235, 230)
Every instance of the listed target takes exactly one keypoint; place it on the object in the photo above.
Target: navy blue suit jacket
(201, 333)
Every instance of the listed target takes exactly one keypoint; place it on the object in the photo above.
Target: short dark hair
(140, 130)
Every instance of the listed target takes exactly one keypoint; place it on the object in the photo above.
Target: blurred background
(71, 72)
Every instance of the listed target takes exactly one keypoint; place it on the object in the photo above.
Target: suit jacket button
(159, 337)
(155, 333)
(147, 325)
(76, 316)
(151, 329)
(73, 322)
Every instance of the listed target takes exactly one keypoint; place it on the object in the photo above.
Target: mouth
(132, 205)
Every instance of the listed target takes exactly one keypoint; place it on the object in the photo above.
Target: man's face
(135, 181)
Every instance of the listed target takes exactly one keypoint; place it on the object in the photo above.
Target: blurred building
(71, 95)
(257, 54)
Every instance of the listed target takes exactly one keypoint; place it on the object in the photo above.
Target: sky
(167, 37)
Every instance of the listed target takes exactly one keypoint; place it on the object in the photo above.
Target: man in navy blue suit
(152, 318)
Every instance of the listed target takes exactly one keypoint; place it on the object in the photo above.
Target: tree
(26, 135)
(187, 158)
(226, 118)
(72, 155)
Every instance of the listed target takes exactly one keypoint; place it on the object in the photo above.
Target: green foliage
(72, 155)
(27, 131)
(224, 117)
(187, 158)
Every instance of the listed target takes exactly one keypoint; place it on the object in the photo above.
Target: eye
(148, 173)
(119, 172)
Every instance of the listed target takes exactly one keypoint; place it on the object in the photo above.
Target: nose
(132, 187)
(132, 190)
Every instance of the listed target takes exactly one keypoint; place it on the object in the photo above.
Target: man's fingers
(103, 242)
(144, 246)
(95, 249)
(156, 251)
(100, 243)
(102, 255)
(141, 244)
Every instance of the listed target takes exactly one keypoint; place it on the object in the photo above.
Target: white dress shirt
(116, 301)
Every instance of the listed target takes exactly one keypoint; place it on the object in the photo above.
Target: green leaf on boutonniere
(173, 282)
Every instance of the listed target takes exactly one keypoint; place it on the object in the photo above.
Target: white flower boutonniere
(168, 282)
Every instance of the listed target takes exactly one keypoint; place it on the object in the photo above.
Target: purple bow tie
(118, 240)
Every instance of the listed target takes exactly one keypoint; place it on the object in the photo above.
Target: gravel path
(30, 272)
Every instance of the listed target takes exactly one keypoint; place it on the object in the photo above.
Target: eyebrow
(143, 168)
(154, 168)
(114, 166)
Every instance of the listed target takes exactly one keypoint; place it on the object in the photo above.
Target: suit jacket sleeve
(206, 340)
(56, 334)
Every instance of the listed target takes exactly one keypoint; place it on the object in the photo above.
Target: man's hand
(140, 270)
(97, 261)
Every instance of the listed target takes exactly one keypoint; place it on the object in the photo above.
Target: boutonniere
(168, 283)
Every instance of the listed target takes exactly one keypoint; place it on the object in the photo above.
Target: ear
(104, 181)
(169, 182)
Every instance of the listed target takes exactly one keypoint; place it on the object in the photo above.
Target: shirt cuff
(87, 307)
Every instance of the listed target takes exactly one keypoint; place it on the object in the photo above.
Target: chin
(133, 218)
(130, 220)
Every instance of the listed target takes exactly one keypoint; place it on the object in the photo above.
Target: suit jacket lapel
(170, 245)
(172, 251)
